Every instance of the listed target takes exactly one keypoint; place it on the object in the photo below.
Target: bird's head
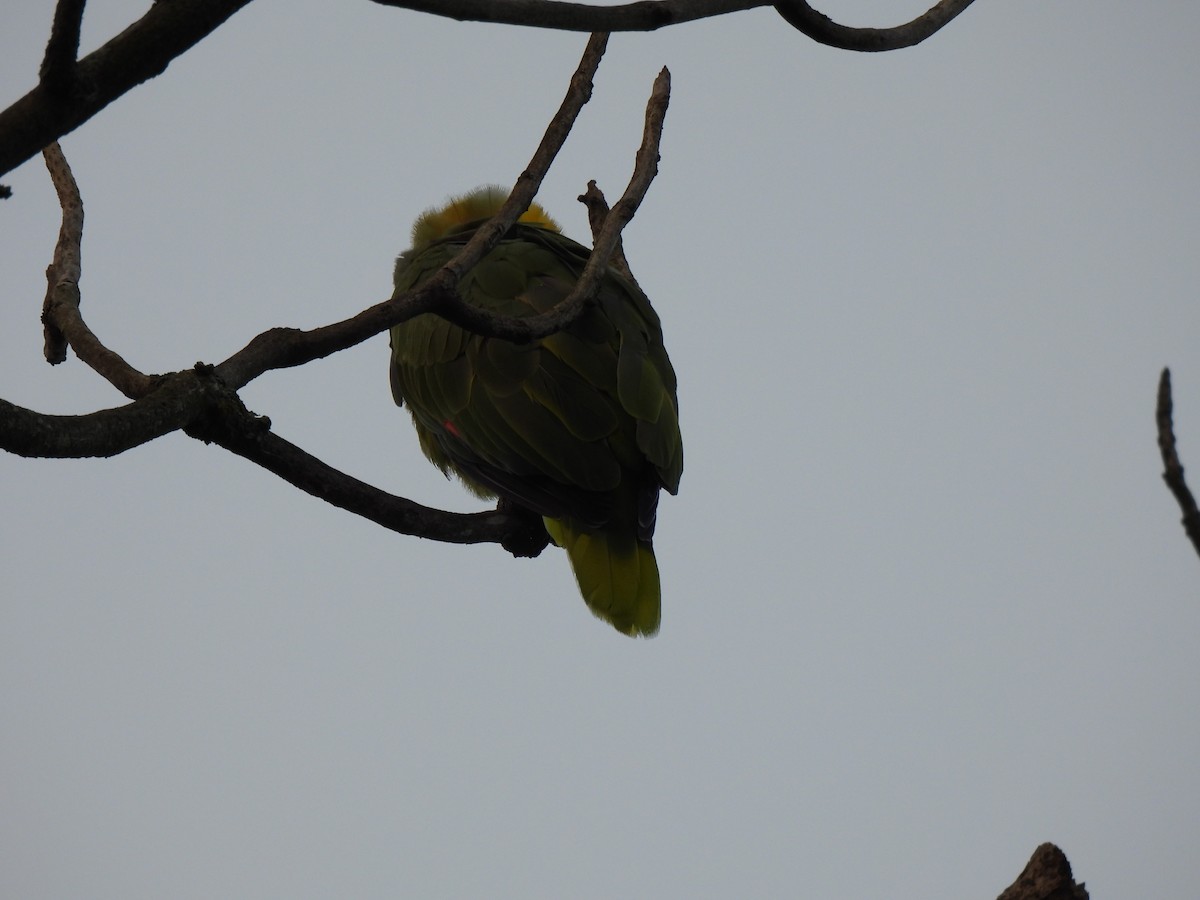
(470, 209)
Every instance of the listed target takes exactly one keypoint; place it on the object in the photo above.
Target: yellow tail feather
(617, 575)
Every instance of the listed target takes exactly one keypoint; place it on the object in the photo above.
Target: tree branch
(579, 92)
(239, 431)
(568, 309)
(137, 54)
(597, 207)
(61, 317)
(824, 30)
(649, 15)
(71, 92)
(644, 15)
(57, 73)
(1172, 467)
(177, 400)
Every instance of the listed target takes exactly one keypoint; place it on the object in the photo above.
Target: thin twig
(57, 74)
(565, 311)
(597, 207)
(179, 398)
(197, 402)
(60, 312)
(824, 30)
(579, 92)
(648, 15)
(1172, 467)
(63, 273)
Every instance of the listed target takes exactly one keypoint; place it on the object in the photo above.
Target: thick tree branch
(607, 245)
(648, 15)
(824, 30)
(205, 409)
(57, 73)
(579, 92)
(177, 400)
(644, 15)
(137, 54)
(63, 273)
(1172, 467)
(597, 207)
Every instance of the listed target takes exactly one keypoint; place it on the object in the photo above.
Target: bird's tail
(617, 575)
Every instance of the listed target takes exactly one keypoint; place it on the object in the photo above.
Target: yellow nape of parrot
(581, 427)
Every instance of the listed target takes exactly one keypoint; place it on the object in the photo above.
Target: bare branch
(563, 313)
(60, 313)
(597, 206)
(241, 432)
(1172, 467)
(137, 54)
(645, 168)
(579, 92)
(824, 30)
(649, 15)
(205, 409)
(57, 73)
(644, 15)
(178, 399)
(63, 273)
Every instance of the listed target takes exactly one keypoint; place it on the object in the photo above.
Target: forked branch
(562, 314)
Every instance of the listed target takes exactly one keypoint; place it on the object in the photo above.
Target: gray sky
(926, 600)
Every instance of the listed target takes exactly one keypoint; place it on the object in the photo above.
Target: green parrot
(581, 427)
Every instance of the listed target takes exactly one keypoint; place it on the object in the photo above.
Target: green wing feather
(581, 427)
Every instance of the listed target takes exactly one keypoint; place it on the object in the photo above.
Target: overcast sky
(926, 601)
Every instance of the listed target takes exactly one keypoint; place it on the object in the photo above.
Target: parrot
(580, 428)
